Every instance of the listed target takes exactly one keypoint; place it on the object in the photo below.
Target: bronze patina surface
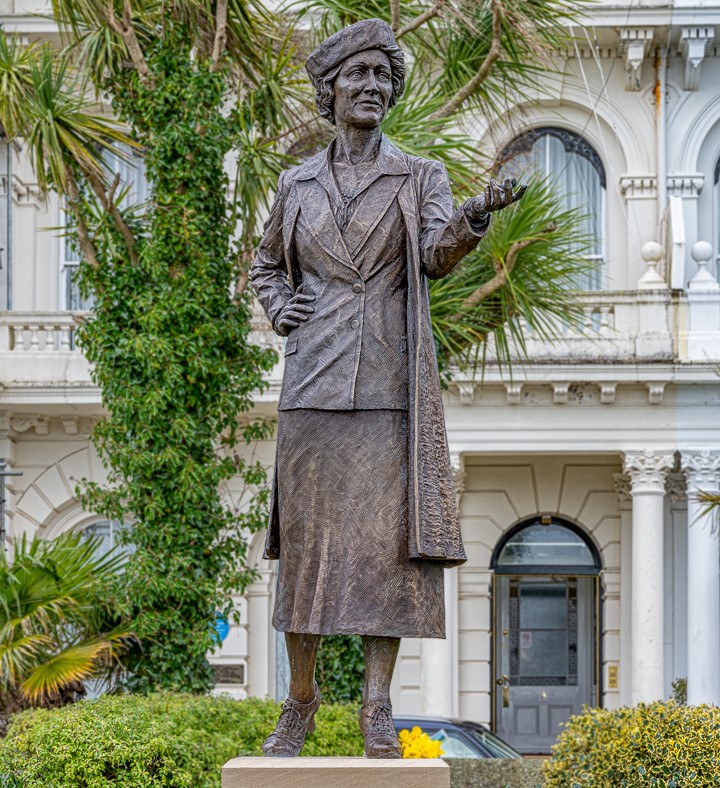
(364, 517)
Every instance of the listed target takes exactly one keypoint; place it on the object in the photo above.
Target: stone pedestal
(335, 773)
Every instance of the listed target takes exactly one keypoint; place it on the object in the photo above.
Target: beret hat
(367, 34)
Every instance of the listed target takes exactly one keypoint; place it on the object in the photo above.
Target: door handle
(503, 680)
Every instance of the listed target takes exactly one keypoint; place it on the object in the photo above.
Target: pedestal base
(335, 773)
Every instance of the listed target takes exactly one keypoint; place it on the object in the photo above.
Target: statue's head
(358, 74)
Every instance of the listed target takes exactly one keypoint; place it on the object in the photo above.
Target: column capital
(622, 489)
(457, 466)
(701, 467)
(647, 470)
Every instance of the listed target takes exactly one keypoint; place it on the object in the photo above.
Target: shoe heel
(311, 726)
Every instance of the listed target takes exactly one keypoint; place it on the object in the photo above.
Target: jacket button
(355, 324)
(357, 287)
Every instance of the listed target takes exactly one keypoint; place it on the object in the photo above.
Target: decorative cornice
(695, 43)
(701, 467)
(656, 390)
(635, 44)
(648, 470)
(514, 391)
(41, 424)
(560, 393)
(638, 187)
(71, 424)
(607, 393)
(466, 391)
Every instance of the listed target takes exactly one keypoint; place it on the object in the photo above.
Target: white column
(622, 488)
(703, 655)
(647, 471)
(259, 633)
(438, 658)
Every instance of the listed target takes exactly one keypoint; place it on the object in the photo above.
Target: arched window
(545, 544)
(134, 190)
(575, 166)
(106, 531)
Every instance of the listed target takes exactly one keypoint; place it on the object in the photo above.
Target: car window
(490, 742)
(453, 745)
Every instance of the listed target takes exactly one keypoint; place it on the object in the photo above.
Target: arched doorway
(545, 630)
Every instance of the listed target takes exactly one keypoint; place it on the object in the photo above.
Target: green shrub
(175, 740)
(658, 744)
(341, 668)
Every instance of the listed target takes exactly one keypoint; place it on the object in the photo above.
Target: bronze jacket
(303, 247)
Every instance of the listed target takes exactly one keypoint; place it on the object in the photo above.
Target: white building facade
(593, 575)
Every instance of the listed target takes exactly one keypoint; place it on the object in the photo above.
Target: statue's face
(363, 88)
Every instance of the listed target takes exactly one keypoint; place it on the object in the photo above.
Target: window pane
(543, 545)
(574, 166)
(453, 745)
(543, 606)
(543, 653)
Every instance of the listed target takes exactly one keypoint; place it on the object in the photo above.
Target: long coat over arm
(437, 239)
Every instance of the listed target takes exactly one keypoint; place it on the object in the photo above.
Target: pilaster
(622, 490)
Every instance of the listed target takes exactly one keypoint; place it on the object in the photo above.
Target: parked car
(460, 738)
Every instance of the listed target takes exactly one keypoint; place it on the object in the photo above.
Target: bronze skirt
(342, 499)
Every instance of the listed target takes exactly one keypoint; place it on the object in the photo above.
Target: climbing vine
(171, 354)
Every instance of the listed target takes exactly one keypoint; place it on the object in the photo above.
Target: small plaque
(612, 676)
(229, 674)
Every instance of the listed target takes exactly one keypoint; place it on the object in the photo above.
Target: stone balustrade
(36, 332)
(617, 327)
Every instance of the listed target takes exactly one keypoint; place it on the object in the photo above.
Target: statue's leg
(297, 717)
(376, 719)
(302, 652)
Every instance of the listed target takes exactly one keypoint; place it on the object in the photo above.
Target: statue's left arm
(448, 234)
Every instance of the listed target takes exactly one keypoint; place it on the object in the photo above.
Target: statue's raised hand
(495, 197)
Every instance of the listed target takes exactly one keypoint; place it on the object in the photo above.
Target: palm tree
(55, 629)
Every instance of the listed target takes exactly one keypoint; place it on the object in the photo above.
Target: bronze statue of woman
(363, 518)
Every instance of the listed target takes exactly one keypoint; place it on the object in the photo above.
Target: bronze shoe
(295, 722)
(376, 723)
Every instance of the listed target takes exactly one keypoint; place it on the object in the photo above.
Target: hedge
(174, 740)
(659, 744)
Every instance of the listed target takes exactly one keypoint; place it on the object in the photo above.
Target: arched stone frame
(49, 506)
(617, 142)
(693, 152)
(566, 522)
(708, 207)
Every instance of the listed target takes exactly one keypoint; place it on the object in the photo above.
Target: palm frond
(49, 608)
(540, 291)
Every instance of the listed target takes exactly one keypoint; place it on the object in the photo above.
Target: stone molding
(638, 187)
(648, 470)
(701, 467)
(686, 185)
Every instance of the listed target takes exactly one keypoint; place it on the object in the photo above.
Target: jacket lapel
(319, 218)
(372, 209)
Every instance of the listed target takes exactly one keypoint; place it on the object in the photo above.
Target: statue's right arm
(268, 273)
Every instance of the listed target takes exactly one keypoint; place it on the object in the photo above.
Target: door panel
(545, 650)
